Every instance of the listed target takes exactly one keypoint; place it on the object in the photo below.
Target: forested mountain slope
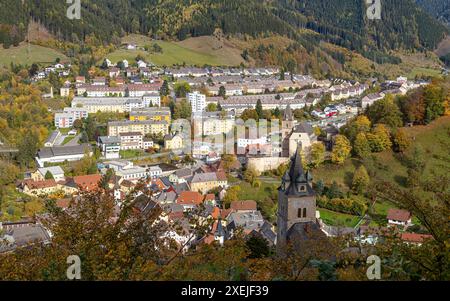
(404, 24)
(437, 8)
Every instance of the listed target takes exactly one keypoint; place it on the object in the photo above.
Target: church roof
(304, 128)
(305, 231)
(295, 177)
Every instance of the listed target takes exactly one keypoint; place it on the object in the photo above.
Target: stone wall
(266, 163)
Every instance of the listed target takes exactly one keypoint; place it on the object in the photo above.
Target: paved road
(59, 141)
(74, 141)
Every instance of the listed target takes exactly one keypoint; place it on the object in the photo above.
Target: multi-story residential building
(230, 90)
(144, 127)
(205, 182)
(105, 91)
(137, 90)
(213, 123)
(197, 101)
(64, 120)
(268, 101)
(371, 99)
(68, 116)
(148, 143)
(128, 171)
(155, 172)
(65, 91)
(152, 99)
(108, 104)
(131, 140)
(185, 72)
(151, 113)
(78, 113)
(109, 146)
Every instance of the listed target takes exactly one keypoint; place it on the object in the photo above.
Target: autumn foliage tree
(341, 150)
(401, 141)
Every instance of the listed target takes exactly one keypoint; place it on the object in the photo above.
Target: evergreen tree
(222, 91)
(49, 175)
(165, 89)
(259, 109)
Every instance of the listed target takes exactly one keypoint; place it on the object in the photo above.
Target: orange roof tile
(190, 198)
(87, 183)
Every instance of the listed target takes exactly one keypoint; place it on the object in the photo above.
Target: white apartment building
(213, 123)
(152, 99)
(128, 171)
(131, 140)
(107, 104)
(64, 120)
(109, 146)
(139, 90)
(197, 101)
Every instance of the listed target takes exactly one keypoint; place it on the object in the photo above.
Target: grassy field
(27, 56)
(127, 154)
(14, 209)
(425, 72)
(265, 196)
(434, 139)
(195, 51)
(332, 218)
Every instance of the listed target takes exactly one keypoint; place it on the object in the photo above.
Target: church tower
(288, 119)
(296, 201)
(287, 124)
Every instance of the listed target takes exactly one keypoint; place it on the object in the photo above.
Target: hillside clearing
(28, 54)
(194, 51)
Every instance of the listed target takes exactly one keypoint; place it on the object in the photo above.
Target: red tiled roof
(398, 215)
(190, 198)
(243, 205)
(87, 183)
(160, 184)
(415, 238)
(221, 176)
(39, 184)
(224, 213)
(210, 197)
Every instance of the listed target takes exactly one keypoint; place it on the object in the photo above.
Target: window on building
(299, 213)
(304, 212)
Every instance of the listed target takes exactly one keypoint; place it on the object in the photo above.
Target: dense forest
(343, 23)
(440, 9)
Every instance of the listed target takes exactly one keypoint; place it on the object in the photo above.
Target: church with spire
(296, 219)
(294, 133)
